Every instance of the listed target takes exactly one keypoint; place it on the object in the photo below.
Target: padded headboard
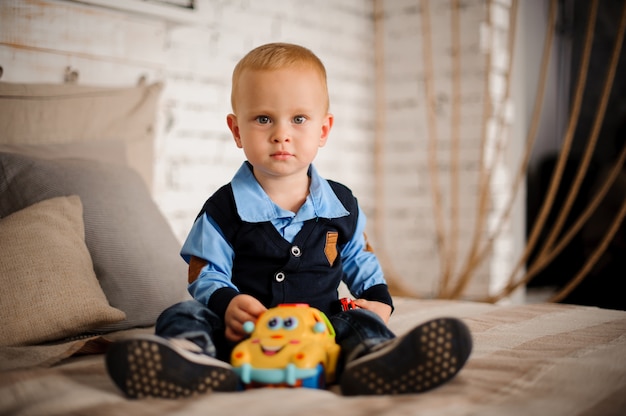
(110, 124)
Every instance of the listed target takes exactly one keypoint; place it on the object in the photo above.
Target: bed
(75, 203)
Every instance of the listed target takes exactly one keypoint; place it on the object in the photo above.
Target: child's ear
(326, 126)
(231, 120)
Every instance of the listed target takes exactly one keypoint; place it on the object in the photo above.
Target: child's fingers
(233, 335)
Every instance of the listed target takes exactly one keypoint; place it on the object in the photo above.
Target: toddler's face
(281, 119)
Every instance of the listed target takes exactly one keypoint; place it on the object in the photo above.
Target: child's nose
(280, 137)
(281, 134)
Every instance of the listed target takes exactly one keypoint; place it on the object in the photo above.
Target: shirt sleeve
(363, 273)
(206, 241)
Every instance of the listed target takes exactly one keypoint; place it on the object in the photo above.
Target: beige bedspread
(543, 359)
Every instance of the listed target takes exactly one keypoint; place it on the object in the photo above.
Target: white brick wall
(194, 149)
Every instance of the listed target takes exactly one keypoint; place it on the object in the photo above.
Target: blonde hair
(274, 56)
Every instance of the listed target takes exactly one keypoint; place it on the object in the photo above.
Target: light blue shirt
(206, 241)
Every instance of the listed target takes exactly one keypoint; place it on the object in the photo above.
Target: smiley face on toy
(290, 345)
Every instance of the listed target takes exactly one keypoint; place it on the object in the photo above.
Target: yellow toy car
(291, 345)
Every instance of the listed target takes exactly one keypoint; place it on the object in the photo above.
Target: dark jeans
(357, 330)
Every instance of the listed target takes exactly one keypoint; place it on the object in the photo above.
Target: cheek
(248, 138)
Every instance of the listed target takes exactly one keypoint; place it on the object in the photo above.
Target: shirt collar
(253, 204)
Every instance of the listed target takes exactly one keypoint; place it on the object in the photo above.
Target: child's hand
(241, 309)
(381, 309)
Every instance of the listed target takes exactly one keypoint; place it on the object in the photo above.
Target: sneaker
(426, 357)
(152, 366)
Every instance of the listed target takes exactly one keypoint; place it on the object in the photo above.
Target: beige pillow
(49, 288)
(134, 252)
(67, 113)
(79, 120)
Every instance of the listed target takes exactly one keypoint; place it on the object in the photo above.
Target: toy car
(291, 345)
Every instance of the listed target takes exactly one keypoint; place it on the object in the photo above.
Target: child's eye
(299, 119)
(263, 119)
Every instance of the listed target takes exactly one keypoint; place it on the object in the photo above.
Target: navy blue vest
(274, 271)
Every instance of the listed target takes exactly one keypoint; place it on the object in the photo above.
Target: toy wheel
(318, 381)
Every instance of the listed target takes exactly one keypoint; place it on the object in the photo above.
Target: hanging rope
(539, 264)
(433, 138)
(394, 280)
(560, 166)
(595, 256)
(447, 243)
(477, 253)
(595, 131)
(582, 168)
(481, 211)
(455, 133)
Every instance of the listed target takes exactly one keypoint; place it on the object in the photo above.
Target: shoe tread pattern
(144, 368)
(433, 353)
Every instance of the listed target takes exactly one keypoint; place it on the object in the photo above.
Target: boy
(280, 233)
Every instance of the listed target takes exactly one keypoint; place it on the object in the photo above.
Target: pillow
(134, 252)
(67, 116)
(65, 113)
(49, 289)
(112, 151)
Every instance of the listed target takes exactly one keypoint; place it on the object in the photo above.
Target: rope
(455, 130)
(394, 281)
(477, 255)
(613, 175)
(582, 168)
(595, 256)
(567, 143)
(433, 137)
(595, 132)
(538, 265)
(379, 136)
(483, 176)
(448, 242)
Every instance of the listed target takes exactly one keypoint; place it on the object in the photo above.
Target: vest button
(280, 276)
(295, 251)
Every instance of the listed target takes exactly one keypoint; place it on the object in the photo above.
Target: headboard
(50, 121)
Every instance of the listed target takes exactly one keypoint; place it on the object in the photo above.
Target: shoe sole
(432, 354)
(151, 367)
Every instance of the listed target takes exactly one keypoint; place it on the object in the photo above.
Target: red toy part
(347, 304)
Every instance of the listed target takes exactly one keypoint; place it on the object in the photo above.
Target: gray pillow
(134, 252)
